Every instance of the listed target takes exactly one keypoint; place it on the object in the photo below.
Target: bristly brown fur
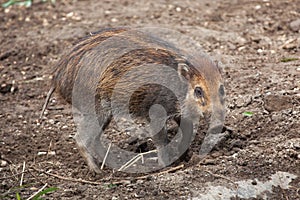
(83, 65)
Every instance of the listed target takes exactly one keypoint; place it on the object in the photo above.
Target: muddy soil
(259, 49)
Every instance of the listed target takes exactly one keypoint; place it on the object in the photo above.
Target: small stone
(64, 127)
(70, 14)
(276, 117)
(231, 46)
(33, 188)
(277, 103)
(3, 163)
(139, 181)
(241, 48)
(209, 162)
(114, 20)
(178, 9)
(260, 51)
(107, 12)
(170, 6)
(45, 22)
(297, 144)
(51, 153)
(243, 101)
(295, 25)
(41, 153)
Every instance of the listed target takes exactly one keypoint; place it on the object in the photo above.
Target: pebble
(243, 101)
(260, 51)
(178, 9)
(52, 153)
(64, 127)
(297, 144)
(107, 12)
(258, 7)
(295, 25)
(209, 161)
(41, 153)
(3, 163)
(114, 20)
(70, 14)
(140, 181)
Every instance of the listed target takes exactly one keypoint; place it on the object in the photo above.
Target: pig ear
(183, 71)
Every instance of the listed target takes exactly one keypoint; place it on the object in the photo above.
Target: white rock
(3, 163)
(178, 9)
(114, 20)
(258, 7)
(41, 153)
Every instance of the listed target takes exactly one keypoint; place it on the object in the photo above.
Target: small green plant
(26, 3)
(111, 185)
(248, 113)
(45, 191)
(288, 59)
(18, 196)
(38, 195)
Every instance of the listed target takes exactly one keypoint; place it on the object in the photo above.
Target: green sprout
(248, 114)
(111, 185)
(37, 196)
(18, 196)
(26, 3)
(288, 59)
(45, 191)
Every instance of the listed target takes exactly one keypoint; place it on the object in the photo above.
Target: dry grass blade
(135, 159)
(108, 149)
(22, 174)
(67, 178)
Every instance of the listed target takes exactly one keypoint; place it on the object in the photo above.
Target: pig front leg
(170, 152)
(90, 128)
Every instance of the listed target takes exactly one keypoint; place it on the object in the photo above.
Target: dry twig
(135, 159)
(124, 181)
(22, 174)
(67, 178)
(108, 149)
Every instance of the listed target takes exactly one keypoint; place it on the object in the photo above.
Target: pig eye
(222, 90)
(198, 92)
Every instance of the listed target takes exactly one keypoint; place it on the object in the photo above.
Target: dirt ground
(260, 53)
